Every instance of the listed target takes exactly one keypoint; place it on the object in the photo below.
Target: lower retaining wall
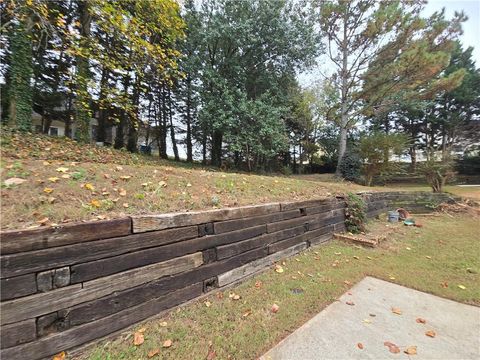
(62, 287)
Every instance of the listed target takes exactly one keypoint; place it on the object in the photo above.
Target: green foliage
(350, 167)
(20, 92)
(355, 213)
(437, 173)
(375, 150)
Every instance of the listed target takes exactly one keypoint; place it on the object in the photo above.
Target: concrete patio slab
(335, 332)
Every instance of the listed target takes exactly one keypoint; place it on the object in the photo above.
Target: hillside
(58, 181)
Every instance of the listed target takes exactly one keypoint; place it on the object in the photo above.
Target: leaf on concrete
(360, 346)
(421, 321)
(396, 311)
(351, 303)
(394, 349)
(138, 338)
(431, 333)
(411, 350)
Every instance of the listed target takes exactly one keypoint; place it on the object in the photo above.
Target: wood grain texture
(257, 265)
(52, 344)
(44, 303)
(34, 261)
(104, 267)
(291, 205)
(231, 225)
(165, 221)
(233, 249)
(28, 240)
(18, 333)
(18, 286)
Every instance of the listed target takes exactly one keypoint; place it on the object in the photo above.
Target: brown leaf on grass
(122, 192)
(278, 269)
(396, 311)
(125, 205)
(163, 324)
(444, 284)
(431, 333)
(411, 350)
(351, 303)
(258, 284)
(43, 221)
(138, 338)
(208, 303)
(153, 352)
(236, 297)
(394, 349)
(14, 181)
(247, 313)
(62, 169)
(95, 203)
(106, 176)
(48, 190)
(53, 179)
(212, 354)
(167, 343)
(421, 321)
(275, 308)
(360, 346)
(125, 177)
(89, 186)
(59, 356)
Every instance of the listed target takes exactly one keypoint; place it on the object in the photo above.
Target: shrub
(437, 173)
(351, 166)
(355, 214)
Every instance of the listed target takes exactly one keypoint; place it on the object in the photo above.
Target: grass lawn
(436, 258)
(65, 181)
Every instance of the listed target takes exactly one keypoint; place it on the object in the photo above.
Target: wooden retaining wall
(62, 287)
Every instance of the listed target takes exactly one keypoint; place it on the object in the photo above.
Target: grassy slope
(125, 184)
(441, 255)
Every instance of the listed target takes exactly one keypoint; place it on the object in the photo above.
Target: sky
(470, 36)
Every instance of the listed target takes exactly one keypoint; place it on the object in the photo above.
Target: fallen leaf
(462, 287)
(89, 186)
(360, 346)
(53, 179)
(122, 192)
(247, 313)
(408, 248)
(62, 169)
(278, 269)
(431, 333)
(189, 185)
(421, 321)
(275, 308)
(356, 257)
(162, 184)
(167, 343)
(367, 321)
(208, 303)
(14, 181)
(65, 176)
(163, 324)
(48, 190)
(119, 168)
(411, 350)
(138, 338)
(125, 177)
(396, 311)
(212, 354)
(258, 284)
(392, 277)
(346, 282)
(428, 257)
(351, 303)
(153, 352)
(125, 205)
(338, 253)
(106, 176)
(236, 297)
(95, 203)
(444, 284)
(142, 330)
(59, 356)
(51, 199)
(394, 349)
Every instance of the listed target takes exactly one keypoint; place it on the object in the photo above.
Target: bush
(437, 173)
(468, 165)
(351, 166)
(355, 214)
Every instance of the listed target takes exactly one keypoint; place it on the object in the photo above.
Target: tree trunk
(122, 125)
(189, 122)
(342, 145)
(101, 130)
(172, 128)
(82, 112)
(20, 92)
(217, 138)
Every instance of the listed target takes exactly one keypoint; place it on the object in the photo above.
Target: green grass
(323, 273)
